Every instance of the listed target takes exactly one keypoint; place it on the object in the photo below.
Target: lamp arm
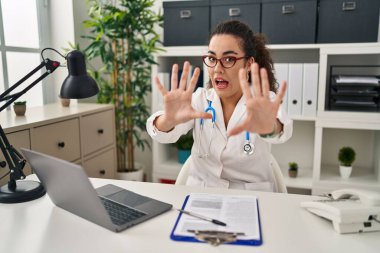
(13, 158)
(50, 67)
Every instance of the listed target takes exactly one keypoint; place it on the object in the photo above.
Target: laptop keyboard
(120, 214)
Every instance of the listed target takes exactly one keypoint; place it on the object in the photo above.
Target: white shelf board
(340, 48)
(360, 177)
(303, 118)
(304, 179)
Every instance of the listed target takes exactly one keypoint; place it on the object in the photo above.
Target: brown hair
(252, 44)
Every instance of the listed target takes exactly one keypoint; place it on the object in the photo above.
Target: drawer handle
(102, 172)
(61, 144)
(309, 102)
(348, 6)
(288, 9)
(234, 12)
(294, 101)
(100, 131)
(185, 14)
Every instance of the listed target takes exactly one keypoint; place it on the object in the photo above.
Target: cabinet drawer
(18, 140)
(97, 131)
(102, 165)
(59, 139)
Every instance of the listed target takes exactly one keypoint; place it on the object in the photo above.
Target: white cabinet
(82, 133)
(316, 139)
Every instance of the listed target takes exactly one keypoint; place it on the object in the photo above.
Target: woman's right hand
(177, 101)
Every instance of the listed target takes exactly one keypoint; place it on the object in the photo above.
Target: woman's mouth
(220, 83)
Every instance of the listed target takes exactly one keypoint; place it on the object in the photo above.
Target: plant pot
(183, 155)
(345, 171)
(19, 109)
(292, 173)
(136, 175)
(65, 102)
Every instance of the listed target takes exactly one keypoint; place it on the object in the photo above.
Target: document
(240, 213)
(358, 79)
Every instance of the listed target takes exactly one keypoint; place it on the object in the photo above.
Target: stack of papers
(240, 213)
(357, 79)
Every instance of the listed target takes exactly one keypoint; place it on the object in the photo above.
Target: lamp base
(25, 191)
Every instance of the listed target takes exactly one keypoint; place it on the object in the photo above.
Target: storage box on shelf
(314, 131)
(288, 22)
(247, 11)
(82, 133)
(348, 21)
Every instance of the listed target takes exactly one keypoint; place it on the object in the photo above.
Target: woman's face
(225, 81)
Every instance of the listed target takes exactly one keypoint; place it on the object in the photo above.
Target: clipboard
(237, 241)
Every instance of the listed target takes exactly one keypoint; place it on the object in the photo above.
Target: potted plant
(346, 158)
(19, 107)
(184, 145)
(293, 169)
(123, 36)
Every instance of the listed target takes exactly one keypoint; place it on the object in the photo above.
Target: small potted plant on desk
(184, 144)
(19, 107)
(346, 158)
(293, 169)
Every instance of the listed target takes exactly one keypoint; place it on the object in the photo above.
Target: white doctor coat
(227, 165)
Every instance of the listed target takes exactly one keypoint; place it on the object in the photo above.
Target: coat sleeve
(167, 137)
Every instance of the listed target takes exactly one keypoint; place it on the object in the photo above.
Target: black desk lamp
(78, 84)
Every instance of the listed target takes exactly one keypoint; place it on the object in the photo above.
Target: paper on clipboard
(240, 213)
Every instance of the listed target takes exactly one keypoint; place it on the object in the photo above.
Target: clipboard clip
(214, 237)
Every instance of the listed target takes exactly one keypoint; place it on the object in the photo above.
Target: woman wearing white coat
(244, 113)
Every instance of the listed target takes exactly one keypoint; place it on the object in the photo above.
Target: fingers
(174, 81)
(255, 77)
(194, 80)
(185, 73)
(236, 130)
(264, 82)
(160, 87)
(281, 92)
(244, 84)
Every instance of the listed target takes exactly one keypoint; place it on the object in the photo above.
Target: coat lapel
(237, 115)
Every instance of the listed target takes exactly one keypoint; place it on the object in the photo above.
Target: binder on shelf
(310, 89)
(281, 74)
(295, 89)
(240, 213)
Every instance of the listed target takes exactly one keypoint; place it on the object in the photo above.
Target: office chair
(184, 173)
(281, 187)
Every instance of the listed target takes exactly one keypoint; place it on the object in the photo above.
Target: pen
(217, 222)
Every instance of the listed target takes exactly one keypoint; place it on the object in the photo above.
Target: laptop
(109, 206)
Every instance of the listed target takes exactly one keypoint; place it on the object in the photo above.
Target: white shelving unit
(316, 140)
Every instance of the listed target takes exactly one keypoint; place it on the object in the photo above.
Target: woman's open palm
(177, 101)
(261, 110)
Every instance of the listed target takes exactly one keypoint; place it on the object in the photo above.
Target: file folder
(281, 74)
(310, 89)
(295, 89)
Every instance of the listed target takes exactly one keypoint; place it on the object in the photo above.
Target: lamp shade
(78, 84)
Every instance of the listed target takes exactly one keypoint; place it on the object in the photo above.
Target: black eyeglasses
(227, 62)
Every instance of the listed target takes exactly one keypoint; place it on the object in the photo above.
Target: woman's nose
(218, 67)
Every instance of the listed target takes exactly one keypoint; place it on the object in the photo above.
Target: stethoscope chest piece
(248, 148)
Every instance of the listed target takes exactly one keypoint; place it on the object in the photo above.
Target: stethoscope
(248, 147)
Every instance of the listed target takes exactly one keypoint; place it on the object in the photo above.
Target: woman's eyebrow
(224, 53)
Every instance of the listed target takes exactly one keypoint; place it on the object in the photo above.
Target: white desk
(39, 226)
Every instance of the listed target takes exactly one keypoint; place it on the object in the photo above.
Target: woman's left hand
(261, 110)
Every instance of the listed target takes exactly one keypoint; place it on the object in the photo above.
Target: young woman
(235, 120)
